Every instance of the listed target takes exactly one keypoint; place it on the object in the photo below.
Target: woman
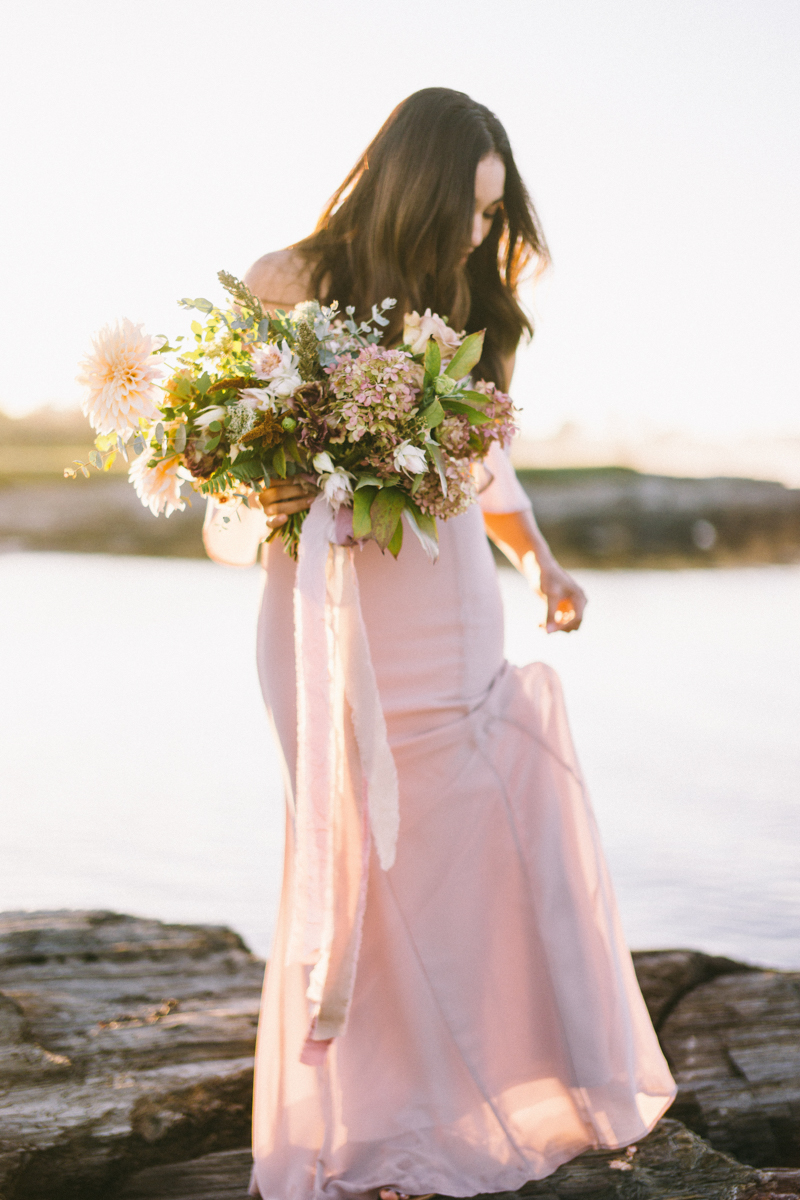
(496, 1028)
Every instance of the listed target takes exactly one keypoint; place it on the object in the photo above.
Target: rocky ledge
(126, 1070)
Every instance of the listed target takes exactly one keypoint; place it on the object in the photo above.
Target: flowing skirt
(496, 1027)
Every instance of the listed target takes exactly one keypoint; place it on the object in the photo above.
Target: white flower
(217, 413)
(158, 487)
(285, 379)
(266, 361)
(258, 399)
(323, 463)
(417, 331)
(410, 458)
(121, 376)
(337, 489)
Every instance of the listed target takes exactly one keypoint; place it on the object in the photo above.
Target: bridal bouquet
(309, 396)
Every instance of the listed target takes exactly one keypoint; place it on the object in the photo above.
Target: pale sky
(147, 144)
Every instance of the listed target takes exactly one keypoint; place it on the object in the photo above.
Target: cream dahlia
(158, 487)
(120, 376)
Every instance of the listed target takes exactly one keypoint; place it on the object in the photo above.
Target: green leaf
(435, 451)
(214, 426)
(96, 459)
(424, 526)
(362, 502)
(476, 399)
(180, 438)
(475, 417)
(433, 414)
(466, 356)
(397, 540)
(385, 512)
(212, 444)
(279, 462)
(203, 383)
(416, 482)
(197, 328)
(433, 359)
(183, 389)
(202, 305)
(368, 481)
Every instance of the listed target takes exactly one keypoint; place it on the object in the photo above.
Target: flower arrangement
(307, 395)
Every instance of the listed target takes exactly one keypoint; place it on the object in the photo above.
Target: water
(138, 772)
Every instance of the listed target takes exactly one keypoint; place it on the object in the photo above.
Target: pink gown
(496, 1028)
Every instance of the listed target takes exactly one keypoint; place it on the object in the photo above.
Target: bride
(495, 1026)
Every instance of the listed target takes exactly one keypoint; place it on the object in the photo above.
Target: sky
(147, 144)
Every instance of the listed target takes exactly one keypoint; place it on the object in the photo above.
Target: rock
(665, 976)
(126, 1069)
(734, 1047)
(129, 1042)
(670, 1164)
(222, 1176)
(613, 516)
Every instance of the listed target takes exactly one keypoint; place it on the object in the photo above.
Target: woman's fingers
(565, 605)
(280, 500)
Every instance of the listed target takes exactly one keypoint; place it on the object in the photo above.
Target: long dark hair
(399, 223)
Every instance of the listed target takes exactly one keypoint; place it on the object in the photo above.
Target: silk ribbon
(346, 777)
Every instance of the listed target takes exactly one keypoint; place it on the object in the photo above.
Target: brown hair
(399, 223)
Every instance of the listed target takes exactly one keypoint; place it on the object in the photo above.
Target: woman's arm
(521, 540)
(518, 536)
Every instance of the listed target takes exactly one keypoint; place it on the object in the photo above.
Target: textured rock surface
(126, 1069)
(123, 1042)
(734, 1046)
(671, 1164)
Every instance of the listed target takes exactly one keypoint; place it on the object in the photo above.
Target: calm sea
(137, 771)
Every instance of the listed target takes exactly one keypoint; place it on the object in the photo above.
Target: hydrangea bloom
(375, 392)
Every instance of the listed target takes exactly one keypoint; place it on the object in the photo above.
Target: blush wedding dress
(496, 1028)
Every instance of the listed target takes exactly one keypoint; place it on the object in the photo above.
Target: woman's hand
(566, 600)
(520, 539)
(282, 499)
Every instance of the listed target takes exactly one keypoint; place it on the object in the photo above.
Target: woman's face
(490, 180)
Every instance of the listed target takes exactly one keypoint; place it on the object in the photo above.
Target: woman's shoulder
(280, 279)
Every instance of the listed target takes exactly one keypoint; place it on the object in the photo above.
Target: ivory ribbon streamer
(346, 777)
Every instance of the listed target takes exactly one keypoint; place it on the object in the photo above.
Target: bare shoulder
(280, 279)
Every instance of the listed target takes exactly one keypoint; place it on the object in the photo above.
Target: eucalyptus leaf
(385, 512)
(263, 329)
(203, 305)
(362, 502)
(138, 444)
(180, 438)
(159, 433)
(466, 356)
(96, 459)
